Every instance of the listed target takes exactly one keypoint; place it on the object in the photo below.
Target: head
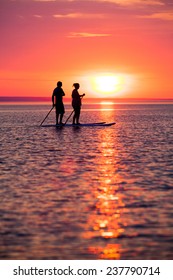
(59, 84)
(76, 85)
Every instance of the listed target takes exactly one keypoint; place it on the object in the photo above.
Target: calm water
(87, 193)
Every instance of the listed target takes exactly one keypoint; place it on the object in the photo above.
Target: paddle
(46, 116)
(69, 117)
(72, 111)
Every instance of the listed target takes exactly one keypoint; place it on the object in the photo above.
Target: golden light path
(106, 223)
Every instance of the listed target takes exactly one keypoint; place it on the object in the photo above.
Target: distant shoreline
(30, 99)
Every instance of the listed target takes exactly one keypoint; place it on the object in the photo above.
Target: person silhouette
(57, 100)
(76, 103)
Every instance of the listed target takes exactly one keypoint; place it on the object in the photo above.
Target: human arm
(81, 95)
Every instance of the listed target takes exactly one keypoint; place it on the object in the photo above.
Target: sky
(113, 48)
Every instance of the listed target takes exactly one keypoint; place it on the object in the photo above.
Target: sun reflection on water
(110, 252)
(106, 106)
(106, 223)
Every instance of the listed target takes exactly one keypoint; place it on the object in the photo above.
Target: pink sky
(43, 41)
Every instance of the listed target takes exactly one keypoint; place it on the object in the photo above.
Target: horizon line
(39, 98)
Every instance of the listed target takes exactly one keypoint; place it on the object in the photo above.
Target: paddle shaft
(46, 116)
(69, 117)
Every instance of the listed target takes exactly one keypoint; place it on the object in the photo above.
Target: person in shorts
(57, 100)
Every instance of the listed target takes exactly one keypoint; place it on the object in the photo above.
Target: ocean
(83, 193)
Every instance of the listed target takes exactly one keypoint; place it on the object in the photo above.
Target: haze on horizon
(113, 48)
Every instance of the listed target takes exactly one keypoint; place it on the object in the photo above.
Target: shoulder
(75, 92)
(58, 90)
(55, 89)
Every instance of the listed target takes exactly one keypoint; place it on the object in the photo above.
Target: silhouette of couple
(57, 100)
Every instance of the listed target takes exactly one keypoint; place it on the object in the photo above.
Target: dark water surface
(87, 193)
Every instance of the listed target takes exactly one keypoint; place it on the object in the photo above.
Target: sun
(108, 84)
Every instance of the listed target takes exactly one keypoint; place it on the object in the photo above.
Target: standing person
(57, 100)
(76, 103)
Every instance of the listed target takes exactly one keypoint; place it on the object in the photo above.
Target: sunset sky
(113, 48)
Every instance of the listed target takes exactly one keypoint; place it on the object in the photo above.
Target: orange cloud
(120, 2)
(133, 2)
(163, 16)
(79, 15)
(85, 34)
(44, 0)
(126, 2)
(38, 16)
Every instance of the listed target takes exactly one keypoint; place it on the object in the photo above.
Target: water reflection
(106, 223)
(106, 106)
(70, 193)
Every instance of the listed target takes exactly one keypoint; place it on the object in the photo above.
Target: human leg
(59, 112)
(78, 115)
(74, 117)
(61, 117)
(57, 115)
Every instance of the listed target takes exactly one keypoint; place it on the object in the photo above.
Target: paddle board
(80, 125)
